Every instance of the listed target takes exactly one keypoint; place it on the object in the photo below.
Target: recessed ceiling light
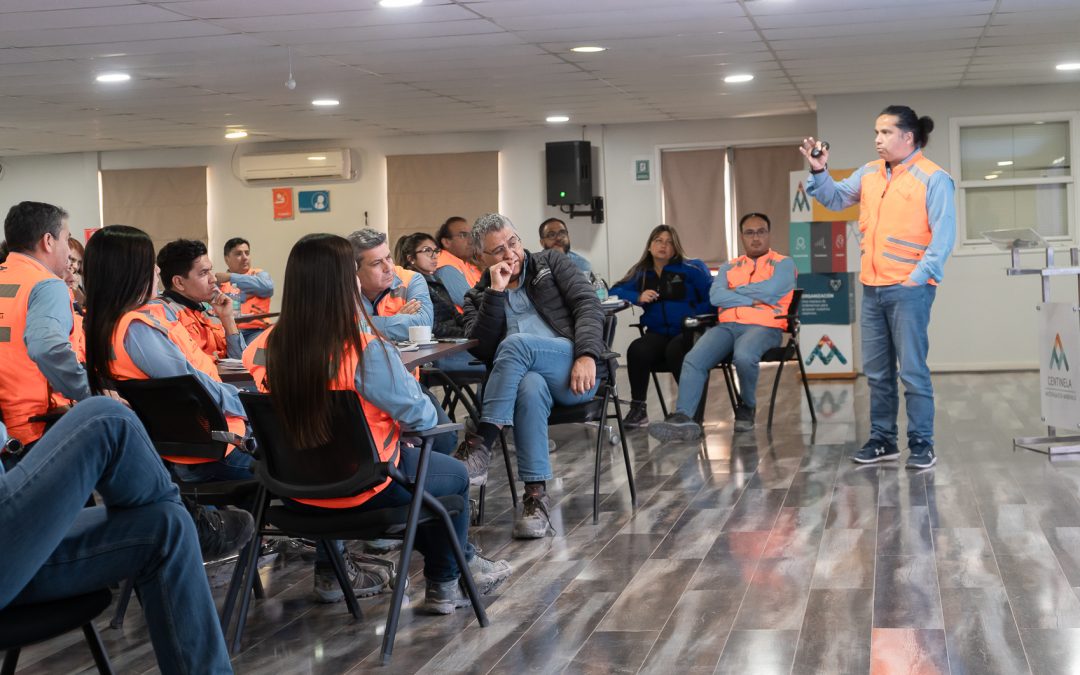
(588, 49)
(558, 118)
(113, 77)
(399, 3)
(236, 133)
(991, 176)
(1068, 66)
(317, 158)
(737, 79)
(1059, 160)
(1005, 162)
(325, 102)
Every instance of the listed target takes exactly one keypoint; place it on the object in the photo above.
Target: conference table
(235, 374)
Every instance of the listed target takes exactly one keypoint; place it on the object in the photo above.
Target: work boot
(366, 580)
(535, 519)
(221, 531)
(675, 427)
(744, 418)
(638, 416)
(477, 458)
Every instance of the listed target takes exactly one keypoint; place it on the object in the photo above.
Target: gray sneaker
(535, 519)
(477, 458)
(489, 574)
(675, 427)
(443, 597)
(366, 580)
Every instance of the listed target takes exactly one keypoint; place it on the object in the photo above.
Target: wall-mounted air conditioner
(328, 164)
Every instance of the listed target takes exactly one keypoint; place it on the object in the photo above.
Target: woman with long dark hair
(669, 287)
(302, 366)
(419, 252)
(128, 340)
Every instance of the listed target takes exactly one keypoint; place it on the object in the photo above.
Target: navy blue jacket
(684, 291)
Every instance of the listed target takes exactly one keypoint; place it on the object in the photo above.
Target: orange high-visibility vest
(392, 301)
(893, 220)
(78, 331)
(24, 391)
(180, 337)
(385, 431)
(206, 330)
(745, 270)
(470, 271)
(122, 367)
(253, 304)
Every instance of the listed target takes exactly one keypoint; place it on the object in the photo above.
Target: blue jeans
(250, 334)
(443, 444)
(460, 363)
(55, 548)
(445, 476)
(744, 343)
(894, 329)
(529, 375)
(235, 466)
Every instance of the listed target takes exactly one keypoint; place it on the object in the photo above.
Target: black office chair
(25, 625)
(655, 374)
(182, 420)
(788, 351)
(596, 412)
(347, 465)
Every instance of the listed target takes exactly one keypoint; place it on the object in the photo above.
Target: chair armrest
(242, 443)
(49, 417)
(607, 356)
(436, 430)
(700, 320)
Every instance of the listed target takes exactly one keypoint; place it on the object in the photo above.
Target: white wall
(982, 320)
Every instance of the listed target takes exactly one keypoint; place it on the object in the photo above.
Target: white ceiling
(460, 65)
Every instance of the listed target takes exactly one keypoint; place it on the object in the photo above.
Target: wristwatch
(821, 170)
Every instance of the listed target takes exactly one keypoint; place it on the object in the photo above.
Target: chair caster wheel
(613, 439)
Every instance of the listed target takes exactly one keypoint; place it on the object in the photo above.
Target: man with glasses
(554, 235)
(540, 326)
(752, 293)
(455, 268)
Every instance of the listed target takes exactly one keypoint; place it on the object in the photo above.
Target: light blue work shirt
(235, 344)
(396, 327)
(582, 264)
(940, 211)
(48, 337)
(521, 314)
(455, 283)
(259, 285)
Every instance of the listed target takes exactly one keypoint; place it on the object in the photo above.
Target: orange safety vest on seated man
(253, 304)
(179, 336)
(745, 270)
(385, 432)
(893, 220)
(393, 300)
(470, 271)
(205, 329)
(24, 391)
(123, 367)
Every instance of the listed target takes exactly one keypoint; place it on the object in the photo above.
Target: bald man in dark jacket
(541, 327)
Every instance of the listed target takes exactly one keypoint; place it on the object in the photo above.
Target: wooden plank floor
(748, 553)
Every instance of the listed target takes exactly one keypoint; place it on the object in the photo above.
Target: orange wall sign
(283, 203)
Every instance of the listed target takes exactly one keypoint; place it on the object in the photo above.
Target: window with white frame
(1014, 173)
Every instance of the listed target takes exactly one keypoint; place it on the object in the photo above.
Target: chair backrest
(346, 465)
(793, 312)
(179, 415)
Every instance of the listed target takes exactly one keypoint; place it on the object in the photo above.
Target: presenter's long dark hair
(907, 120)
(318, 330)
(645, 262)
(118, 274)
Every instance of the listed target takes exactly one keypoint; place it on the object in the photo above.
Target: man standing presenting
(752, 293)
(907, 219)
(554, 235)
(454, 267)
(250, 286)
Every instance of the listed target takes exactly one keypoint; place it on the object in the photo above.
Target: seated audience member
(751, 292)
(250, 287)
(419, 252)
(74, 279)
(41, 370)
(540, 326)
(554, 235)
(300, 367)
(190, 293)
(454, 266)
(56, 548)
(395, 298)
(670, 287)
(125, 340)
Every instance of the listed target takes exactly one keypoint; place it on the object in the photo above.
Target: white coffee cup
(419, 334)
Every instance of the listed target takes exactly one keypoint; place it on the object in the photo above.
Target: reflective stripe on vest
(893, 220)
(385, 431)
(471, 272)
(745, 270)
(24, 391)
(253, 304)
(395, 298)
(206, 330)
(122, 367)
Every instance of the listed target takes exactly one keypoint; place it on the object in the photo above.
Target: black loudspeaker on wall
(569, 173)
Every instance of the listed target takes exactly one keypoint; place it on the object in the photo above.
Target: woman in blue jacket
(669, 287)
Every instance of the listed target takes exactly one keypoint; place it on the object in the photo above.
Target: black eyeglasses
(427, 250)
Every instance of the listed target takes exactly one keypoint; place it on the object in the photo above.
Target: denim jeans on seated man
(744, 343)
(55, 548)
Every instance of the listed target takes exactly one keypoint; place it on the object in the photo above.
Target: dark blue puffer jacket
(684, 291)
